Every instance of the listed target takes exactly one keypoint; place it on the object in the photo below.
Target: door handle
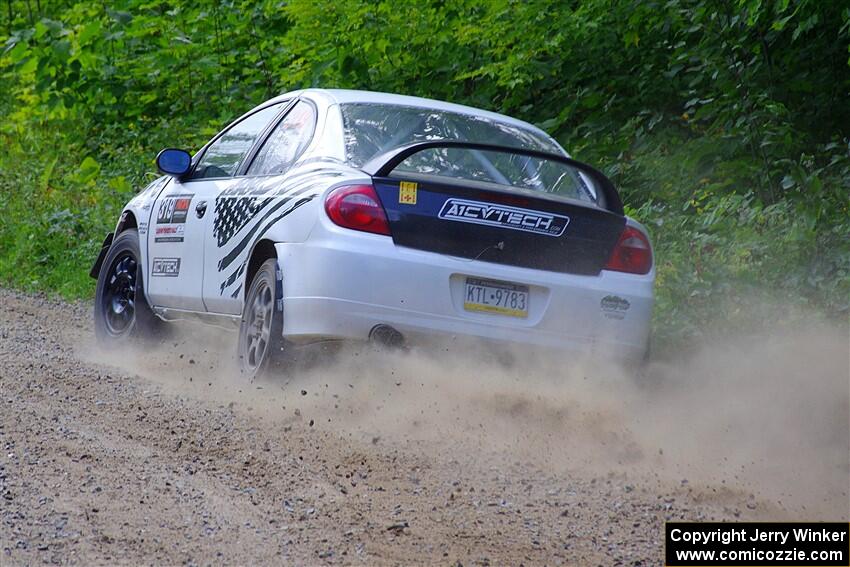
(201, 209)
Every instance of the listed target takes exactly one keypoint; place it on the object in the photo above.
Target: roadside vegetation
(725, 124)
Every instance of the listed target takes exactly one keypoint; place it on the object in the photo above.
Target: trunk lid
(501, 226)
(499, 204)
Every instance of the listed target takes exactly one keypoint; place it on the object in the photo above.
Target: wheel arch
(135, 218)
(263, 250)
(126, 222)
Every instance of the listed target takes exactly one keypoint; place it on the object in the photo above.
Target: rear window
(500, 168)
(372, 129)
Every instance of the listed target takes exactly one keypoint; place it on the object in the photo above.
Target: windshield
(372, 129)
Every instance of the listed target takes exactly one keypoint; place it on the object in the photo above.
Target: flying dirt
(451, 455)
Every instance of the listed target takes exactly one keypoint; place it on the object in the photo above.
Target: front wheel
(121, 311)
(261, 343)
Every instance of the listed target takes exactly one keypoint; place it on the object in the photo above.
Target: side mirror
(173, 161)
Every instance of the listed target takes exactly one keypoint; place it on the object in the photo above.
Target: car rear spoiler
(384, 164)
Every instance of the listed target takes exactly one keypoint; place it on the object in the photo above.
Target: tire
(121, 312)
(261, 345)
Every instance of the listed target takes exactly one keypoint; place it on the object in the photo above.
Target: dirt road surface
(164, 457)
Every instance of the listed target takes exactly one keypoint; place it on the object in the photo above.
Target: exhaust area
(387, 336)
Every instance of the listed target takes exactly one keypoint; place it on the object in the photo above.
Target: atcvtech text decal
(445, 207)
(513, 218)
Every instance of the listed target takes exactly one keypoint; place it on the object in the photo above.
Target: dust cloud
(764, 416)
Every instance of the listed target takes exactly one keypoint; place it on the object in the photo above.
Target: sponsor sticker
(407, 192)
(614, 306)
(166, 267)
(169, 233)
(503, 216)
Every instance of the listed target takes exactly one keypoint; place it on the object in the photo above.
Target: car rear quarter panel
(291, 204)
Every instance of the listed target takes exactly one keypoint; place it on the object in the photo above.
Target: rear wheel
(121, 311)
(261, 345)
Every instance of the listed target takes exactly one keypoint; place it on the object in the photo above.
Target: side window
(223, 156)
(287, 142)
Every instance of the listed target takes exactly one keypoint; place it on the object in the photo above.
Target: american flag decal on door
(234, 209)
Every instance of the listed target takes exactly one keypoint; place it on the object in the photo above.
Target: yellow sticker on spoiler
(407, 192)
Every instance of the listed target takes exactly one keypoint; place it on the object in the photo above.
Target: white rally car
(344, 215)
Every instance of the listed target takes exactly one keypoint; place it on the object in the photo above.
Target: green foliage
(719, 247)
(724, 123)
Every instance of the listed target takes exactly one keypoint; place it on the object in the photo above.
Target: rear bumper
(340, 286)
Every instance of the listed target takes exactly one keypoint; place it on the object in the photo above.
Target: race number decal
(173, 209)
(171, 218)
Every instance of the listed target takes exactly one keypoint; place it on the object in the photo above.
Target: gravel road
(163, 457)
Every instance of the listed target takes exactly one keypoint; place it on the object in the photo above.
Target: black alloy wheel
(120, 308)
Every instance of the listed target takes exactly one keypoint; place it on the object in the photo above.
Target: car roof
(346, 96)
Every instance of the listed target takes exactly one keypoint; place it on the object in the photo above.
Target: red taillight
(632, 254)
(357, 207)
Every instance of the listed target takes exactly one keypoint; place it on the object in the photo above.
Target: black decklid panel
(504, 227)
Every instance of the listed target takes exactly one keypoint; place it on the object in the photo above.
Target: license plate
(488, 296)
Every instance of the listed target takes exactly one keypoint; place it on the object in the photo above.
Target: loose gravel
(101, 465)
